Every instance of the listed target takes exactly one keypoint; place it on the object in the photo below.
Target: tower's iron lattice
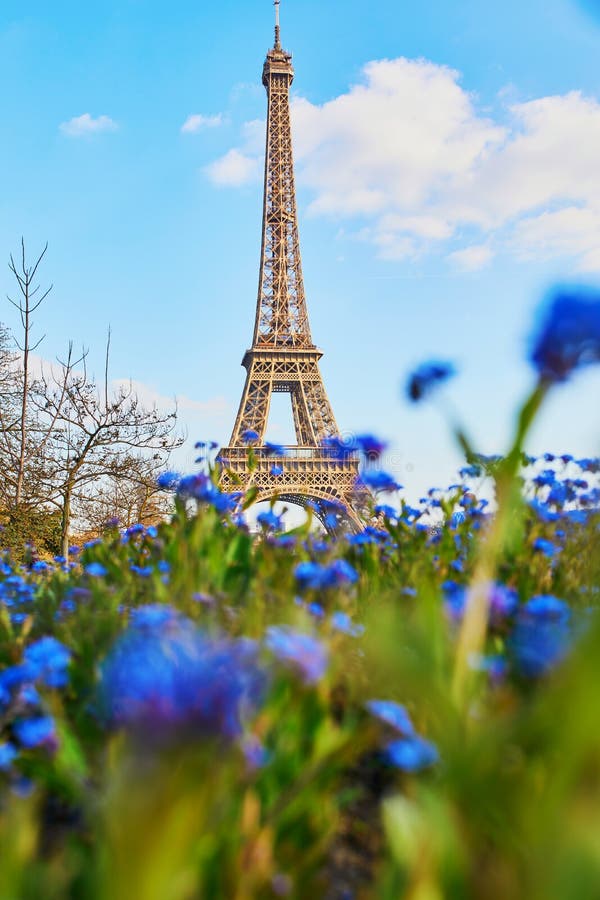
(283, 357)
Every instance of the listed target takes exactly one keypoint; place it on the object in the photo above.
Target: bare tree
(66, 445)
(97, 434)
(29, 300)
(130, 500)
(10, 394)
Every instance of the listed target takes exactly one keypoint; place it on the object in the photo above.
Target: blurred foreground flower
(411, 754)
(308, 656)
(168, 481)
(542, 637)
(314, 576)
(569, 336)
(370, 445)
(392, 714)
(378, 480)
(164, 674)
(36, 732)
(49, 660)
(427, 377)
(8, 753)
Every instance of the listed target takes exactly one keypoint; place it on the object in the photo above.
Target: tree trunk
(23, 424)
(66, 520)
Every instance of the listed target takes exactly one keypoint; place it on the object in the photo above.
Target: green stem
(472, 637)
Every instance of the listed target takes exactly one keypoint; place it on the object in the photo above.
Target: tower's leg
(319, 410)
(254, 408)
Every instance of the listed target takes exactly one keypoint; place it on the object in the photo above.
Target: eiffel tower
(283, 357)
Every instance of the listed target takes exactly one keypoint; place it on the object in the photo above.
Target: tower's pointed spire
(277, 25)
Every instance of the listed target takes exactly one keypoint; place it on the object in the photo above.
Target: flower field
(196, 711)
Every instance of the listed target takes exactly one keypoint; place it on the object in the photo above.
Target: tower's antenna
(277, 27)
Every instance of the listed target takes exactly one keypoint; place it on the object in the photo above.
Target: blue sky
(447, 175)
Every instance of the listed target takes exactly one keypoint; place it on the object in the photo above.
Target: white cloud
(149, 396)
(84, 125)
(233, 170)
(198, 122)
(410, 161)
(209, 418)
(473, 258)
(572, 231)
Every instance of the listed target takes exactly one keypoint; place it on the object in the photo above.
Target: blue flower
(341, 621)
(29, 696)
(50, 659)
(579, 516)
(392, 714)
(569, 336)
(542, 636)
(331, 521)
(339, 448)
(316, 610)
(580, 484)
(378, 480)
(142, 571)
(546, 607)
(94, 542)
(137, 528)
(412, 754)
(541, 545)
(341, 572)
(560, 493)
(540, 645)
(200, 487)
(15, 677)
(314, 576)
(276, 471)
(274, 449)
(154, 616)
(286, 541)
(371, 446)
(427, 377)
(95, 570)
(168, 481)
(456, 519)
(37, 732)
(545, 478)
(8, 753)
(589, 465)
(360, 540)
(455, 599)
(308, 656)
(250, 436)
(164, 675)
(503, 602)
(543, 512)
(388, 512)
(269, 520)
